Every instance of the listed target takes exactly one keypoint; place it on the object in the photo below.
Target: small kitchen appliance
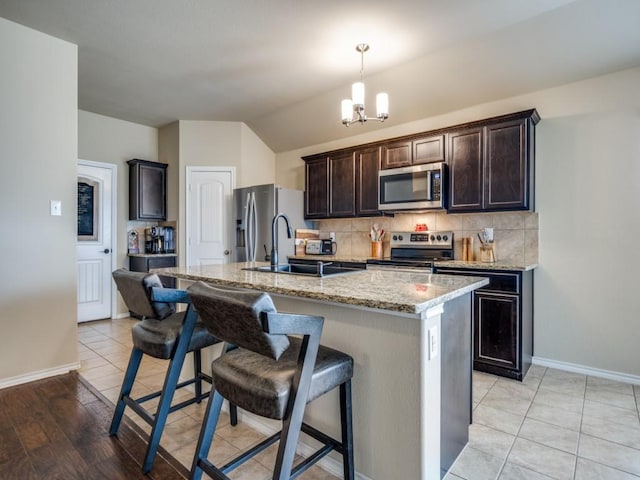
(169, 240)
(154, 240)
(413, 251)
(417, 187)
(320, 247)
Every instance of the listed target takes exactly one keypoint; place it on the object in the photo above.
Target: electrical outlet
(434, 342)
(56, 208)
(332, 236)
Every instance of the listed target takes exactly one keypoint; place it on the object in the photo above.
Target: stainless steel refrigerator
(254, 209)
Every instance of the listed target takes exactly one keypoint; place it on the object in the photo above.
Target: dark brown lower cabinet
(144, 263)
(148, 262)
(502, 321)
(496, 330)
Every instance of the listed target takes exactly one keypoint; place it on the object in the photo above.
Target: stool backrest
(234, 316)
(135, 288)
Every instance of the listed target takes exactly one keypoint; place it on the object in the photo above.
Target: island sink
(318, 270)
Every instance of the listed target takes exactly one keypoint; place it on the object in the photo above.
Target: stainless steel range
(411, 251)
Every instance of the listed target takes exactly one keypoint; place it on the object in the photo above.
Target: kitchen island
(410, 337)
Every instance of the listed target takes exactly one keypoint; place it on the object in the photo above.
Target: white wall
(588, 199)
(38, 153)
(109, 140)
(221, 144)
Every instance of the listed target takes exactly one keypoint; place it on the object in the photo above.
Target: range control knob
(432, 238)
(400, 237)
(395, 237)
(439, 238)
(445, 238)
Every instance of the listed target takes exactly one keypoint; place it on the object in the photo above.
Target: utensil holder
(487, 253)
(376, 249)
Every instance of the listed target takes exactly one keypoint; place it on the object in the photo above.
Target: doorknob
(106, 250)
(227, 252)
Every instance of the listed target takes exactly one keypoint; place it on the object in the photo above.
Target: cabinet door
(506, 166)
(396, 154)
(147, 190)
(428, 149)
(316, 195)
(464, 157)
(496, 330)
(342, 185)
(367, 165)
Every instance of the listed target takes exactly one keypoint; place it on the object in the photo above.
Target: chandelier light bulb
(357, 94)
(382, 105)
(347, 110)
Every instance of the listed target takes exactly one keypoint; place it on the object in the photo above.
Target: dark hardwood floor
(57, 428)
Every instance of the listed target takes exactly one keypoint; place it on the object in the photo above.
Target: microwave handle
(429, 184)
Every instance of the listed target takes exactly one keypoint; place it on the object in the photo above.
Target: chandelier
(353, 108)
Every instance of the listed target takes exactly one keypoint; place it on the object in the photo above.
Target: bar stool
(162, 333)
(271, 375)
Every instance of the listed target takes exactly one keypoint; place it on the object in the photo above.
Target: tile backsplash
(515, 233)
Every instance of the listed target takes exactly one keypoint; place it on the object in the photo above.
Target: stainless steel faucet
(274, 238)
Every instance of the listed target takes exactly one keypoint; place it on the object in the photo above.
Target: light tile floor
(553, 425)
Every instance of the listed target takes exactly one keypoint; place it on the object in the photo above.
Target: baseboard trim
(39, 375)
(594, 372)
(260, 424)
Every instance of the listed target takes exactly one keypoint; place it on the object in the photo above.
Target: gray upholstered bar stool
(166, 335)
(272, 375)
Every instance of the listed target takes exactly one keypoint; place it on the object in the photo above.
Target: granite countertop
(152, 255)
(403, 292)
(446, 263)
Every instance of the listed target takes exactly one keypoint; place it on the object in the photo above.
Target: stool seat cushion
(261, 385)
(158, 337)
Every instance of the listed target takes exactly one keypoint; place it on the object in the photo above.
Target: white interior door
(209, 210)
(94, 248)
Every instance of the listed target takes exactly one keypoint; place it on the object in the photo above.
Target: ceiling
(282, 66)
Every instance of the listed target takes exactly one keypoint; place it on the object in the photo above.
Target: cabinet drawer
(161, 262)
(500, 282)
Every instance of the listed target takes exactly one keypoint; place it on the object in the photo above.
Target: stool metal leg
(168, 390)
(197, 369)
(347, 431)
(125, 391)
(209, 424)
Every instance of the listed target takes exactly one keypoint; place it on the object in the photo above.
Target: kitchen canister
(376, 249)
(487, 253)
(467, 249)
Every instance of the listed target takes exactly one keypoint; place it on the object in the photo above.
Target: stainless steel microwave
(418, 187)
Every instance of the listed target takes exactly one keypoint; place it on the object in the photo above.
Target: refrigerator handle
(254, 240)
(247, 234)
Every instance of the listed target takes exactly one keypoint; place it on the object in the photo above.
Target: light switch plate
(56, 208)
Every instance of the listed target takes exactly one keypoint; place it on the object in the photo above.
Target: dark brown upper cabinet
(491, 166)
(465, 169)
(316, 193)
(367, 167)
(413, 151)
(147, 190)
(508, 171)
(428, 149)
(397, 154)
(342, 185)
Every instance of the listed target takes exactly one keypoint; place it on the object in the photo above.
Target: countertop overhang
(409, 293)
